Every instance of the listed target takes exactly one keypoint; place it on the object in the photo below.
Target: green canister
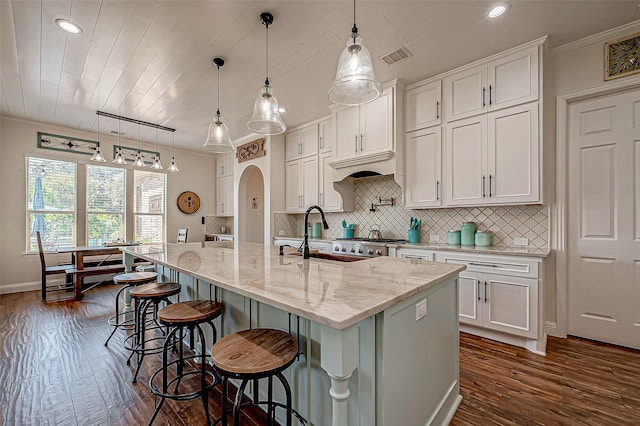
(483, 238)
(316, 230)
(467, 234)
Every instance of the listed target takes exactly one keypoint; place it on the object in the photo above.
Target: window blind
(149, 206)
(105, 204)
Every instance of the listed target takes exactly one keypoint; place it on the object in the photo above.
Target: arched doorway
(251, 206)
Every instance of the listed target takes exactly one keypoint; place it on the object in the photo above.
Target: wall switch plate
(280, 233)
(421, 309)
(434, 238)
(521, 242)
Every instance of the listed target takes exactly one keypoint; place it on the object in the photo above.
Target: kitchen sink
(330, 256)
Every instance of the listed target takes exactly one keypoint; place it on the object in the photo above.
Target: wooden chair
(49, 270)
(182, 235)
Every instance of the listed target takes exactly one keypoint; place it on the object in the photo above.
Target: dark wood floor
(55, 370)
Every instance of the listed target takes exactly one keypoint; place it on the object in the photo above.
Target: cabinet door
(465, 93)
(309, 140)
(513, 155)
(224, 165)
(230, 196)
(223, 194)
(293, 191)
(422, 106)
(347, 136)
(465, 162)
(292, 147)
(513, 79)
(309, 179)
(512, 304)
(325, 135)
(423, 161)
(329, 198)
(376, 131)
(470, 302)
(404, 253)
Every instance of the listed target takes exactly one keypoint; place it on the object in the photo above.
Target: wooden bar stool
(145, 296)
(127, 280)
(252, 355)
(190, 315)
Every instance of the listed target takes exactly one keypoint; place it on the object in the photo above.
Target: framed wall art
(622, 57)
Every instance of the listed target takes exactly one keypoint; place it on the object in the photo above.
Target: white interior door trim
(559, 207)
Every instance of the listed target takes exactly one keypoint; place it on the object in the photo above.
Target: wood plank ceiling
(152, 60)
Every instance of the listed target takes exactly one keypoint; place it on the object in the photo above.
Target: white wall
(19, 138)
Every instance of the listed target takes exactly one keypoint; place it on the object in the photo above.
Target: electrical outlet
(521, 242)
(281, 233)
(421, 309)
(434, 238)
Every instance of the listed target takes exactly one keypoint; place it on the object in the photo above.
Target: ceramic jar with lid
(483, 238)
(453, 237)
(467, 234)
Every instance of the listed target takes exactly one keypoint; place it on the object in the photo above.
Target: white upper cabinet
(224, 196)
(422, 106)
(326, 136)
(302, 142)
(494, 158)
(301, 186)
(365, 133)
(224, 164)
(503, 82)
(423, 168)
(329, 199)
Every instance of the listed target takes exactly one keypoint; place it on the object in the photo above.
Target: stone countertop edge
(512, 251)
(326, 318)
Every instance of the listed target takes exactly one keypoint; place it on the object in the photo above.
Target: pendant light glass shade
(139, 162)
(97, 155)
(266, 118)
(118, 158)
(157, 165)
(218, 139)
(355, 81)
(173, 167)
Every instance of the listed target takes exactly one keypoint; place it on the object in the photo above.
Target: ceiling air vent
(396, 56)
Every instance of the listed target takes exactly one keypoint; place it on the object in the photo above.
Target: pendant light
(139, 162)
(157, 165)
(97, 156)
(119, 158)
(266, 111)
(355, 81)
(173, 167)
(218, 139)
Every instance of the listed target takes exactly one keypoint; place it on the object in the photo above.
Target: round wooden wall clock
(188, 202)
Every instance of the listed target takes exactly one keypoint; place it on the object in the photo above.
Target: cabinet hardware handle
(221, 170)
(222, 207)
(437, 190)
(360, 142)
(485, 292)
(356, 143)
(437, 109)
(490, 177)
(321, 199)
(483, 181)
(484, 90)
(490, 90)
(478, 282)
(320, 142)
(489, 265)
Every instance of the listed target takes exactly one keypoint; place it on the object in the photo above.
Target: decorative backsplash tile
(504, 223)
(213, 224)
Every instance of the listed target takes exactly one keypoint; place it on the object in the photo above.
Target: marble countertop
(512, 251)
(333, 293)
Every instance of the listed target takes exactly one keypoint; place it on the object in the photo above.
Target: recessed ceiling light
(68, 26)
(282, 109)
(497, 10)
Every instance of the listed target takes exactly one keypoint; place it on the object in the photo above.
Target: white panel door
(465, 93)
(293, 202)
(513, 155)
(309, 179)
(423, 150)
(309, 140)
(469, 297)
(422, 106)
(330, 200)
(292, 145)
(513, 79)
(347, 140)
(465, 162)
(510, 304)
(325, 135)
(376, 132)
(603, 219)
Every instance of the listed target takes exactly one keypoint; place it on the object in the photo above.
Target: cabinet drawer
(414, 254)
(502, 265)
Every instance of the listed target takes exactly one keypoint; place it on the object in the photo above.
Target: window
(51, 203)
(149, 206)
(106, 188)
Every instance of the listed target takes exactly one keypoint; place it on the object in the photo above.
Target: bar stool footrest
(215, 380)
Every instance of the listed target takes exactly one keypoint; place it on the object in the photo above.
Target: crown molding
(602, 37)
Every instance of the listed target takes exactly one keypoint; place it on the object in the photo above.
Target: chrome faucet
(305, 251)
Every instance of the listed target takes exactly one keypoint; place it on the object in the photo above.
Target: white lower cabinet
(406, 253)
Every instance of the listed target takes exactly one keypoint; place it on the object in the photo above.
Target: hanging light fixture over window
(157, 165)
(173, 167)
(118, 158)
(97, 156)
(218, 139)
(139, 162)
(355, 81)
(266, 111)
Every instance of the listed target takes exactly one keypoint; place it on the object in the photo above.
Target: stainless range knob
(344, 249)
(336, 248)
(370, 251)
(378, 253)
(353, 249)
(359, 250)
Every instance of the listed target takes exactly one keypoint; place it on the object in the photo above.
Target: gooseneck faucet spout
(305, 251)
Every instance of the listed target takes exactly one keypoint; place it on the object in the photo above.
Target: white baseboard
(26, 286)
(551, 328)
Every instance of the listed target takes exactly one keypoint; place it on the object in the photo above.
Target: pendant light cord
(266, 81)
(354, 30)
(98, 131)
(218, 111)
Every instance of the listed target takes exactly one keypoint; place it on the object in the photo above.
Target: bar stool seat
(127, 280)
(190, 314)
(146, 295)
(251, 355)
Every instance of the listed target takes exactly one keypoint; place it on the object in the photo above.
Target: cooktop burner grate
(374, 240)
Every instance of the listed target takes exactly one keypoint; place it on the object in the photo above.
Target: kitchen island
(378, 337)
